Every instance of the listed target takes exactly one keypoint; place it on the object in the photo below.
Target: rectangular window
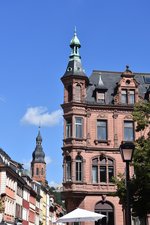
(68, 170)
(131, 97)
(94, 174)
(110, 173)
(100, 97)
(68, 128)
(128, 131)
(78, 127)
(102, 130)
(78, 171)
(124, 96)
(102, 173)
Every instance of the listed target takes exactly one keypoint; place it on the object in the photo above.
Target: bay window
(78, 127)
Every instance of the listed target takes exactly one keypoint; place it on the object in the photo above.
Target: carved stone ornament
(115, 114)
(101, 116)
(104, 198)
(128, 117)
(88, 112)
(116, 98)
(79, 153)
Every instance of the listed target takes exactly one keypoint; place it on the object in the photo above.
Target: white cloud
(2, 99)
(48, 160)
(27, 163)
(54, 184)
(40, 116)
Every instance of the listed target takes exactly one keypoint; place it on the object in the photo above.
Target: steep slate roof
(110, 80)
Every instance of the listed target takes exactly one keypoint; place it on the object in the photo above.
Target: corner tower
(75, 83)
(38, 164)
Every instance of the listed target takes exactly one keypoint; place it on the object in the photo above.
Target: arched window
(69, 89)
(78, 93)
(79, 168)
(107, 209)
(102, 170)
(37, 171)
(68, 168)
(42, 171)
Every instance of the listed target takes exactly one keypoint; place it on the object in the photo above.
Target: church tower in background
(38, 164)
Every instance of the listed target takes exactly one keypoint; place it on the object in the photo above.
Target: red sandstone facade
(97, 118)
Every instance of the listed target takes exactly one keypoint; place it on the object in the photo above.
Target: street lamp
(126, 150)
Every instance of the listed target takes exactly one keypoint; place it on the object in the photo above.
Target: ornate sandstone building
(97, 118)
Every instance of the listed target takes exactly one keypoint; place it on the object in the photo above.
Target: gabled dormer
(126, 89)
(100, 91)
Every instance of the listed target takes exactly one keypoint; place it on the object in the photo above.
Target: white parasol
(80, 215)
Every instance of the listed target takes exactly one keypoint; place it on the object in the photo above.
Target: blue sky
(34, 51)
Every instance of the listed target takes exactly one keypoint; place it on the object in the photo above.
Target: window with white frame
(124, 96)
(78, 127)
(68, 168)
(102, 130)
(68, 128)
(131, 96)
(100, 97)
(79, 165)
(128, 131)
(127, 96)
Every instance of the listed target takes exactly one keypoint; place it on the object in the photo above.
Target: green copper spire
(74, 67)
(75, 45)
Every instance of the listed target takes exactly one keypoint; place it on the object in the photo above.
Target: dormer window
(124, 96)
(100, 91)
(131, 96)
(127, 96)
(100, 97)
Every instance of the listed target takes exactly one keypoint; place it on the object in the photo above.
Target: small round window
(69, 69)
(127, 82)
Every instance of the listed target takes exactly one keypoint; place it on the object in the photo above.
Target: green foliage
(141, 115)
(121, 189)
(140, 183)
(57, 196)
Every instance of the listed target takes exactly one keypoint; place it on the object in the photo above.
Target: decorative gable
(127, 89)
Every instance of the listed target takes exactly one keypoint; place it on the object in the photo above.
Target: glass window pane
(68, 168)
(78, 127)
(128, 131)
(94, 174)
(78, 168)
(68, 128)
(102, 173)
(131, 97)
(110, 173)
(100, 97)
(101, 130)
(123, 96)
